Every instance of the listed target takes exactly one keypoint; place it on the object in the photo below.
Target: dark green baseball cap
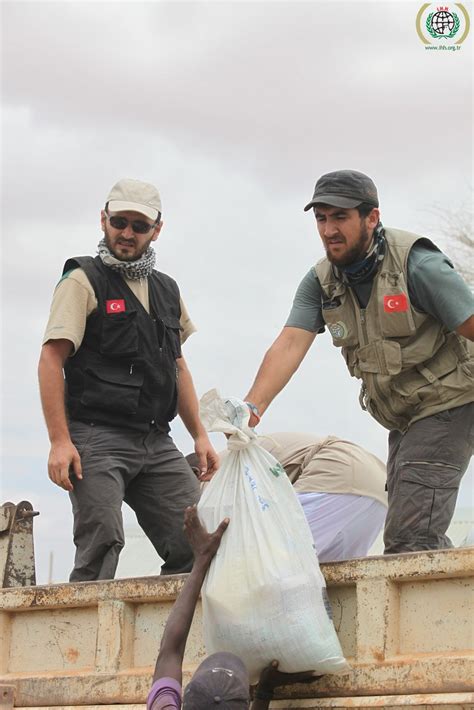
(344, 188)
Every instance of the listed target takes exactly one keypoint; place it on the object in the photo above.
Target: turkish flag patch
(397, 303)
(115, 306)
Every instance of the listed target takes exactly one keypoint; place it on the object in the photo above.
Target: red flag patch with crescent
(397, 303)
(115, 306)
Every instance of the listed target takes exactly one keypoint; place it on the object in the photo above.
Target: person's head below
(131, 219)
(221, 681)
(345, 204)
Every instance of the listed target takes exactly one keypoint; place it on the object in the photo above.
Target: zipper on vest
(160, 332)
(364, 326)
(366, 338)
(381, 397)
(156, 321)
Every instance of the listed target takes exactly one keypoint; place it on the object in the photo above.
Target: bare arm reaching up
(205, 545)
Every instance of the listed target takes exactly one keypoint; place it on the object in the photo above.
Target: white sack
(264, 596)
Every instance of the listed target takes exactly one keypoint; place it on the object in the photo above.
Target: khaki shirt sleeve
(73, 301)
(188, 327)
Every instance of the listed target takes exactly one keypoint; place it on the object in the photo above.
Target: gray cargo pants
(424, 469)
(151, 475)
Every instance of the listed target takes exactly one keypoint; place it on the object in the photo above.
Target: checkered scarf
(364, 270)
(135, 270)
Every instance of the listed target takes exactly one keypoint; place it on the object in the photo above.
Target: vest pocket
(432, 381)
(350, 356)
(119, 334)
(173, 334)
(382, 357)
(341, 322)
(396, 325)
(395, 314)
(110, 390)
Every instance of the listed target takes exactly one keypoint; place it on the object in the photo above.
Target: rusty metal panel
(433, 564)
(53, 640)
(140, 589)
(150, 620)
(343, 600)
(445, 701)
(5, 636)
(409, 566)
(461, 701)
(391, 615)
(436, 616)
(17, 557)
(7, 697)
(412, 675)
(114, 650)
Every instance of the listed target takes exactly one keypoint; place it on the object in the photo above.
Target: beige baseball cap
(135, 196)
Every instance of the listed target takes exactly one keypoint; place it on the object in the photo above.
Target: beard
(356, 253)
(135, 251)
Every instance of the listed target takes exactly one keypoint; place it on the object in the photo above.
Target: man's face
(345, 235)
(125, 244)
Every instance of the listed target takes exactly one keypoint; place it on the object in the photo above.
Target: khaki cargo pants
(424, 469)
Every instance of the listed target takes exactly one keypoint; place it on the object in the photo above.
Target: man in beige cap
(115, 329)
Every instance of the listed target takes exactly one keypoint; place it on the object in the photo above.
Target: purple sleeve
(164, 693)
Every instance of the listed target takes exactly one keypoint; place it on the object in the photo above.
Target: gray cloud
(303, 84)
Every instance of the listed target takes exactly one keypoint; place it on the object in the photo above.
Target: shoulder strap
(330, 286)
(93, 269)
(163, 294)
(77, 262)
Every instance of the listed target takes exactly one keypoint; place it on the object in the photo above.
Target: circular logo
(442, 24)
(448, 26)
(338, 330)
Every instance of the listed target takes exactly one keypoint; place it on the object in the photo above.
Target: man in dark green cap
(404, 320)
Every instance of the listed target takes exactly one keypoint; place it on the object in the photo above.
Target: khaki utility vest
(410, 365)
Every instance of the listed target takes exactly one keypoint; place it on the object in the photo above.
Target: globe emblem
(442, 25)
(442, 22)
(338, 330)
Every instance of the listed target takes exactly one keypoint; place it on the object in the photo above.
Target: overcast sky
(233, 109)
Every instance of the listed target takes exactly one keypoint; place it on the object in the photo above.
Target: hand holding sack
(264, 596)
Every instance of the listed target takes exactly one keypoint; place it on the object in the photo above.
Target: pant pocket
(81, 435)
(426, 498)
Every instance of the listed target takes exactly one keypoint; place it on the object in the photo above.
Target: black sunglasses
(139, 226)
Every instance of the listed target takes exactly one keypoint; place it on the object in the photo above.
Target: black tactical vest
(125, 371)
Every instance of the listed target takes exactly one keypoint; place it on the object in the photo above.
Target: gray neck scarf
(135, 270)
